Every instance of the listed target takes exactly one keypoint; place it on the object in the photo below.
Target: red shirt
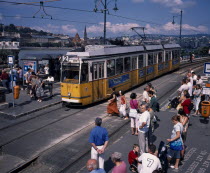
(4, 76)
(132, 157)
(186, 105)
(122, 100)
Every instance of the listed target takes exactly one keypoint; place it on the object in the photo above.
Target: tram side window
(167, 56)
(160, 57)
(84, 73)
(134, 63)
(127, 64)
(173, 54)
(150, 59)
(178, 54)
(110, 68)
(141, 61)
(119, 66)
(155, 58)
(101, 70)
(95, 71)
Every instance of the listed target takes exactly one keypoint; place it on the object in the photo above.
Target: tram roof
(153, 47)
(103, 51)
(168, 46)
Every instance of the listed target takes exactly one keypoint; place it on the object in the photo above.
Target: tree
(3, 55)
(117, 42)
(204, 51)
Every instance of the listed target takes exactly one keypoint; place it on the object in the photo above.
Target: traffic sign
(207, 68)
(10, 59)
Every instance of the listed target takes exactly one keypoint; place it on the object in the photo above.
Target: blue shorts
(174, 154)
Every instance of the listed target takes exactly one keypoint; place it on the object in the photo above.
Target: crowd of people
(35, 85)
(33, 82)
(144, 157)
(8, 75)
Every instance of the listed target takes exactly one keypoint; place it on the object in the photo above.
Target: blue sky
(195, 16)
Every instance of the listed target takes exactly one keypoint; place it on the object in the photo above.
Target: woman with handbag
(176, 143)
(133, 114)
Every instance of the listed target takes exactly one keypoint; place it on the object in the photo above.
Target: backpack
(158, 107)
(191, 106)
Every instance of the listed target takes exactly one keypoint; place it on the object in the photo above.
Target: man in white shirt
(143, 128)
(183, 87)
(46, 69)
(199, 80)
(145, 98)
(189, 75)
(194, 77)
(149, 162)
(50, 80)
(190, 87)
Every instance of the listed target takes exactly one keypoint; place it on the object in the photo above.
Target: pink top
(120, 169)
(133, 104)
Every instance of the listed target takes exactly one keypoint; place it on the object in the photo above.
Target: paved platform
(25, 104)
(62, 139)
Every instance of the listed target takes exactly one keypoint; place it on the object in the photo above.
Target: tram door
(98, 82)
(134, 73)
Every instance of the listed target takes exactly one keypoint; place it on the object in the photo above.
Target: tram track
(69, 115)
(28, 162)
(44, 126)
(28, 119)
(10, 126)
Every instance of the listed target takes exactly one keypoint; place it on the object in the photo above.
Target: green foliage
(13, 28)
(3, 55)
(204, 50)
(117, 42)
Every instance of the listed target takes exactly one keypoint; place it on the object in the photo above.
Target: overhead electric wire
(37, 5)
(144, 21)
(81, 10)
(64, 20)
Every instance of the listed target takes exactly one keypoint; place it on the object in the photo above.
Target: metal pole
(61, 69)
(13, 103)
(180, 36)
(105, 10)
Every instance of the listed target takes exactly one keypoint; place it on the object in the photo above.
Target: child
(133, 157)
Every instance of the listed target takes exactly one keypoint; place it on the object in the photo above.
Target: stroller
(173, 103)
(162, 155)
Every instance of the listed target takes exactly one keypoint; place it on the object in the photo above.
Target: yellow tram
(88, 77)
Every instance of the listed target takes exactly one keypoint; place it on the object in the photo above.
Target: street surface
(57, 138)
(197, 157)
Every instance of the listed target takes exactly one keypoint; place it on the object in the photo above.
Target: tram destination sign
(207, 68)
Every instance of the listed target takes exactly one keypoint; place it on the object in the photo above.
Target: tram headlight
(69, 94)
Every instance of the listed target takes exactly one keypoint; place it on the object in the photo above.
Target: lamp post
(105, 4)
(180, 32)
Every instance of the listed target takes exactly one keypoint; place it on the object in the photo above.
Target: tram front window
(70, 73)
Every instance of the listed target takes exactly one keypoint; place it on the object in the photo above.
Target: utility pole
(180, 33)
(180, 36)
(104, 10)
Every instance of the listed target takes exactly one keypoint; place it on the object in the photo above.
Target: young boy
(133, 157)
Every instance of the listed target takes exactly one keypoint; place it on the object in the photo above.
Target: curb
(6, 115)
